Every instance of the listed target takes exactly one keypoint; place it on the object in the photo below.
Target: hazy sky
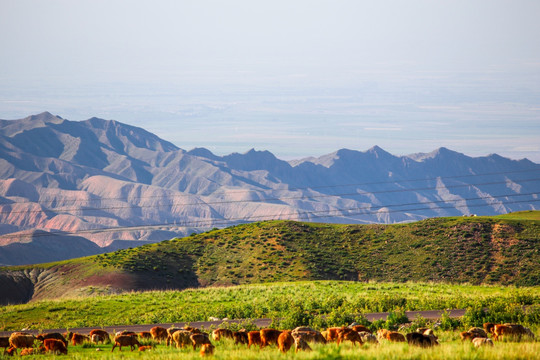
(298, 78)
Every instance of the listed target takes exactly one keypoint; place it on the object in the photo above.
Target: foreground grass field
(450, 348)
(334, 300)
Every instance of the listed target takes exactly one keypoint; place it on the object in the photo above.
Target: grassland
(306, 302)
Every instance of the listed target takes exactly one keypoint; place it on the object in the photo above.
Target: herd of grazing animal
(299, 338)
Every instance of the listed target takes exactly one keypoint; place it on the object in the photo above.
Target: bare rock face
(114, 184)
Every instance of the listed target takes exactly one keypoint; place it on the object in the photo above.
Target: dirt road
(429, 314)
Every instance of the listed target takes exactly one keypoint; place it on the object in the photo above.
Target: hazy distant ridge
(73, 176)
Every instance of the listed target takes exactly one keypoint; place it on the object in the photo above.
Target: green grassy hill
(491, 250)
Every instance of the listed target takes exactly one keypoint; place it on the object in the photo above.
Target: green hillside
(477, 250)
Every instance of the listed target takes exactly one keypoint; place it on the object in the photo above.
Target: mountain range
(75, 188)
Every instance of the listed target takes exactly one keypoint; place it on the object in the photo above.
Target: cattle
(4, 342)
(125, 332)
(301, 344)
(310, 336)
(77, 339)
(269, 336)
(478, 332)
(240, 337)
(32, 351)
(381, 333)
(361, 328)
(418, 339)
(254, 338)
(199, 339)
(285, 341)
(480, 341)
(368, 337)
(394, 336)
(19, 340)
(144, 335)
(182, 338)
(511, 332)
(158, 333)
(145, 347)
(488, 327)
(170, 332)
(332, 333)
(125, 340)
(207, 349)
(348, 334)
(55, 346)
(58, 336)
(219, 334)
(99, 335)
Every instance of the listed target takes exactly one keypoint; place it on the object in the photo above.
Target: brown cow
(240, 337)
(19, 340)
(394, 336)
(207, 349)
(478, 332)
(382, 333)
(301, 344)
(58, 336)
(254, 338)
(125, 340)
(310, 336)
(488, 327)
(145, 335)
(332, 333)
(99, 335)
(285, 341)
(361, 328)
(77, 339)
(182, 338)
(219, 334)
(158, 333)
(55, 346)
(269, 336)
(4, 342)
(348, 334)
(170, 332)
(32, 351)
(199, 339)
(146, 347)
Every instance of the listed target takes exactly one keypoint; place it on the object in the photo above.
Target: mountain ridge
(78, 177)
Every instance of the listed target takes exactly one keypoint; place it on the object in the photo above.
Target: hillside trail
(426, 314)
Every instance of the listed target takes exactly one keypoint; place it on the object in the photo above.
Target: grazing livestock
(207, 349)
(478, 332)
(99, 335)
(301, 344)
(182, 338)
(382, 333)
(240, 337)
(361, 328)
(170, 332)
(310, 336)
(511, 332)
(488, 327)
(58, 336)
(125, 340)
(199, 339)
(332, 333)
(145, 347)
(145, 335)
(55, 346)
(394, 336)
(418, 339)
(159, 333)
(20, 340)
(285, 341)
(77, 339)
(348, 334)
(32, 351)
(480, 341)
(368, 337)
(219, 334)
(4, 342)
(269, 336)
(254, 338)
(125, 332)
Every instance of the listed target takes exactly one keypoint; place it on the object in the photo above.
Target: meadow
(319, 303)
